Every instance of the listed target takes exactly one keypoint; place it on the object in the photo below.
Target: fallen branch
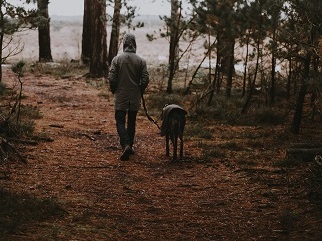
(306, 154)
(253, 170)
(305, 145)
(23, 141)
(56, 126)
(88, 136)
(45, 139)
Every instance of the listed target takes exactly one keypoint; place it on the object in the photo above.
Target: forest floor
(82, 190)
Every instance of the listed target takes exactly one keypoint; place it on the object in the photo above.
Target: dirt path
(146, 198)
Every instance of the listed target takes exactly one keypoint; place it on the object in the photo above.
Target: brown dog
(173, 122)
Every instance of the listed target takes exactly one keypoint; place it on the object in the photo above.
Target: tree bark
(1, 42)
(231, 67)
(44, 32)
(245, 66)
(252, 86)
(259, 55)
(215, 82)
(174, 40)
(289, 78)
(86, 36)
(297, 118)
(226, 43)
(273, 71)
(98, 58)
(114, 41)
(1, 37)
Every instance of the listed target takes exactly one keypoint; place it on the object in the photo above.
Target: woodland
(247, 72)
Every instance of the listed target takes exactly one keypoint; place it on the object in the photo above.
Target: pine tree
(44, 32)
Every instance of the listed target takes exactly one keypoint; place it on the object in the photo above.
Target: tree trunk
(98, 58)
(174, 35)
(245, 67)
(225, 43)
(214, 83)
(272, 89)
(252, 86)
(44, 32)
(231, 67)
(259, 55)
(86, 37)
(297, 118)
(114, 41)
(1, 41)
(1, 44)
(289, 78)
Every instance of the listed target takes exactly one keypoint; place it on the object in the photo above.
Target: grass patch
(18, 210)
(224, 109)
(105, 95)
(17, 122)
(30, 112)
(269, 116)
(255, 144)
(289, 220)
(210, 152)
(2, 89)
(156, 101)
(195, 130)
(25, 126)
(231, 145)
(213, 153)
(246, 162)
(97, 82)
(61, 69)
(20, 129)
(228, 110)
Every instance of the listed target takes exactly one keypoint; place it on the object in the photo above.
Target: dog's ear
(164, 107)
(162, 112)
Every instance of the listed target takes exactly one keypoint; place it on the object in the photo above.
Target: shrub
(197, 131)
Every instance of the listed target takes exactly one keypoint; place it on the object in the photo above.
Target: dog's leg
(175, 145)
(167, 149)
(182, 125)
(181, 147)
(175, 131)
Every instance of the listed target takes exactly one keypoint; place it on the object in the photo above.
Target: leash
(147, 114)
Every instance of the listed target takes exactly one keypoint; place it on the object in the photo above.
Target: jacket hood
(129, 43)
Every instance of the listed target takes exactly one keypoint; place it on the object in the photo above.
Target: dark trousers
(126, 134)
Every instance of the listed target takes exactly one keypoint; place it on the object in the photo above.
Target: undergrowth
(64, 68)
(17, 119)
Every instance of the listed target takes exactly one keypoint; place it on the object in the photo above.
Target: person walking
(128, 78)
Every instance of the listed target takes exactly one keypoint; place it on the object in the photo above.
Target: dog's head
(163, 111)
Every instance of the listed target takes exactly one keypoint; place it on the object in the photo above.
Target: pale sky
(76, 7)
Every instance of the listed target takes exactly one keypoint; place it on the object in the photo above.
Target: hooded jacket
(128, 76)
